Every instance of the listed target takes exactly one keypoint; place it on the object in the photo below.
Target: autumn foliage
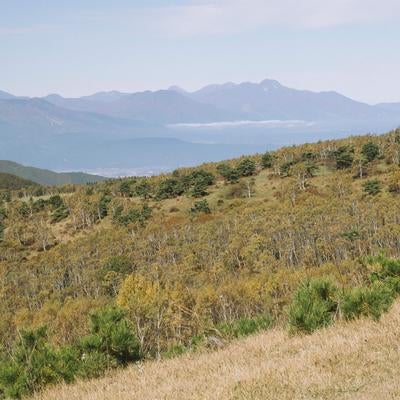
(188, 255)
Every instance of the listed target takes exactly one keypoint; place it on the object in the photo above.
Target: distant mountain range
(163, 106)
(103, 129)
(228, 102)
(30, 175)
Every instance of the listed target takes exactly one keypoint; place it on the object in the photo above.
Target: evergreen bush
(34, 363)
(314, 306)
(113, 336)
(369, 301)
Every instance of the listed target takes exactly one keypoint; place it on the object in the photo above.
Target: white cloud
(221, 17)
(233, 16)
(273, 123)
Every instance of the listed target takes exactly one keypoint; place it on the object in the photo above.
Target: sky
(78, 47)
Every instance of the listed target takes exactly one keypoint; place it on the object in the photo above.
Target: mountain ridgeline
(215, 122)
(228, 102)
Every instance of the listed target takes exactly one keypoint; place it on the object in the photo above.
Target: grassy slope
(357, 360)
(46, 177)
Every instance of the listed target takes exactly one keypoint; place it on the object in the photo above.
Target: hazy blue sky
(77, 47)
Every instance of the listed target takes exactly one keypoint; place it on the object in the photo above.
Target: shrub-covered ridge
(188, 254)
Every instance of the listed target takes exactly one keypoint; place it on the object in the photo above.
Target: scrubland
(356, 360)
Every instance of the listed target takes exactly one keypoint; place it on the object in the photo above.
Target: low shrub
(93, 364)
(246, 167)
(372, 187)
(245, 326)
(388, 271)
(369, 301)
(313, 306)
(267, 160)
(33, 364)
(112, 335)
(200, 207)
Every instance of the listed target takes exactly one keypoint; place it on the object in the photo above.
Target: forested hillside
(194, 258)
(13, 182)
(45, 176)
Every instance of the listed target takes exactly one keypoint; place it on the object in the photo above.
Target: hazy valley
(150, 132)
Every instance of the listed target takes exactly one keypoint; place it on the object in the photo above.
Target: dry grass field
(357, 360)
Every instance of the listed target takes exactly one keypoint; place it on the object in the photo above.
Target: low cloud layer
(275, 123)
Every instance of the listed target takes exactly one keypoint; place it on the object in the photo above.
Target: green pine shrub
(59, 214)
(370, 151)
(169, 189)
(103, 206)
(200, 207)
(55, 201)
(113, 336)
(344, 156)
(132, 215)
(313, 306)
(246, 167)
(230, 174)
(267, 160)
(372, 187)
(371, 301)
(34, 363)
(93, 365)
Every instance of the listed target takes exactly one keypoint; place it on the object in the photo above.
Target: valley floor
(357, 360)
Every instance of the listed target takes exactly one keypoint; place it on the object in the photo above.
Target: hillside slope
(44, 176)
(358, 360)
(13, 182)
(214, 251)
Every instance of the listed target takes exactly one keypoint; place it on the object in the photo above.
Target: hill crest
(44, 176)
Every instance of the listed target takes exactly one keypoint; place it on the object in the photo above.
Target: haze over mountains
(227, 102)
(161, 130)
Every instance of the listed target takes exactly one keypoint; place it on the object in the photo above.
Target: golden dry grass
(358, 360)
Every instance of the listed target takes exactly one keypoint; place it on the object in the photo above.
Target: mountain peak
(216, 87)
(270, 84)
(53, 96)
(6, 96)
(177, 89)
